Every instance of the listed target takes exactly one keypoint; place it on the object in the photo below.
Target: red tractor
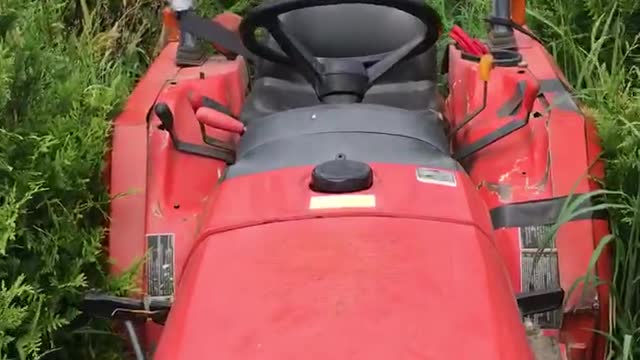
(334, 203)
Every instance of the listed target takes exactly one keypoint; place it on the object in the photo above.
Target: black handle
(165, 115)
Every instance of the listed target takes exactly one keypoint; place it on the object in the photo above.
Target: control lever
(219, 120)
(484, 70)
(518, 108)
(215, 115)
(214, 150)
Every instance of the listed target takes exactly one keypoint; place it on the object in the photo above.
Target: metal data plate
(540, 270)
(436, 176)
(160, 265)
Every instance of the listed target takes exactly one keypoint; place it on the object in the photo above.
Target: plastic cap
(485, 66)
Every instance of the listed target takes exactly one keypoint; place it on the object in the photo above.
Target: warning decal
(342, 201)
(436, 176)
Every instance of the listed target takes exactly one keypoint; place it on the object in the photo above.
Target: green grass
(596, 44)
(66, 66)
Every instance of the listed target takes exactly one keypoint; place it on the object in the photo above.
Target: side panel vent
(540, 269)
(160, 265)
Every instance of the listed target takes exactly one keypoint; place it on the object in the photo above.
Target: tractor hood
(359, 287)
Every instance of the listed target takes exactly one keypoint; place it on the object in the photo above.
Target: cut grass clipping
(66, 66)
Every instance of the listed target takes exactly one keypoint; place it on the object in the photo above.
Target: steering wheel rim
(263, 16)
(335, 76)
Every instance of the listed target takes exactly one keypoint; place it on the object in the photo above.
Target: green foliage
(210, 8)
(596, 43)
(61, 77)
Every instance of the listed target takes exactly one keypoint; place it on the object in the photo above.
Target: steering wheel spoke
(385, 64)
(309, 65)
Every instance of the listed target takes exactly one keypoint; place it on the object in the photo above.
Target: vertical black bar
(502, 9)
(135, 341)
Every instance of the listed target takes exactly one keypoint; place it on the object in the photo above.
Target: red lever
(220, 121)
(467, 43)
(195, 99)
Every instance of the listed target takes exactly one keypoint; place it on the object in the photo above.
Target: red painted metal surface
(413, 276)
(129, 164)
(288, 195)
(552, 156)
(353, 287)
(153, 184)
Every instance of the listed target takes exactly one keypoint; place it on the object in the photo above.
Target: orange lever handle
(220, 121)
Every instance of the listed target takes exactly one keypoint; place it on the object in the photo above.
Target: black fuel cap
(341, 176)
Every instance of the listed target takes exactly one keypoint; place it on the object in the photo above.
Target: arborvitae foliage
(65, 68)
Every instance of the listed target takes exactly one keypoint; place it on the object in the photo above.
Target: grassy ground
(67, 65)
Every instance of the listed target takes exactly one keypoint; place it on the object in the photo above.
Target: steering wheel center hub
(344, 77)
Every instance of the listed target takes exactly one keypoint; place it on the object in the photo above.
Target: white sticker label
(436, 176)
(342, 201)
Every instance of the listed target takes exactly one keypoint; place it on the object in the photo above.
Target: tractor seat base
(362, 132)
(271, 96)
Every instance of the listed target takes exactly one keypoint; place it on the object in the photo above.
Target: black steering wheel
(349, 78)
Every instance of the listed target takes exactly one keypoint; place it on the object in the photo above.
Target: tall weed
(597, 44)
